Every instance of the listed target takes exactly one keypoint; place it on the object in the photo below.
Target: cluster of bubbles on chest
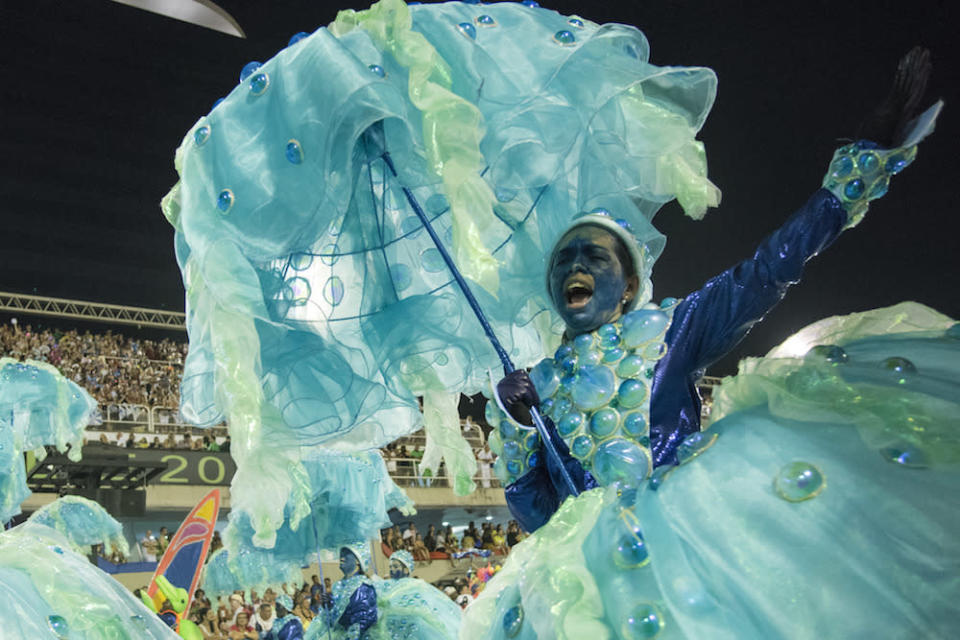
(596, 389)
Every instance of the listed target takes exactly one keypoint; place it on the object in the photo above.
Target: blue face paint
(349, 564)
(587, 280)
(398, 570)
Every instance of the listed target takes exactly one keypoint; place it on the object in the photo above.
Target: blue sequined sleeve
(361, 610)
(708, 323)
(292, 630)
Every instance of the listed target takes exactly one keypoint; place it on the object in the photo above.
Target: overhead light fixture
(202, 13)
(488, 517)
(444, 524)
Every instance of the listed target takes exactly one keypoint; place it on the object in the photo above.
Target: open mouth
(577, 290)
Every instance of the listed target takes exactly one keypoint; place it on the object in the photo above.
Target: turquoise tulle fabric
(83, 522)
(38, 407)
(318, 308)
(349, 500)
(793, 516)
(407, 609)
(49, 591)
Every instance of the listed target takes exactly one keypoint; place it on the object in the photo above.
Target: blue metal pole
(487, 329)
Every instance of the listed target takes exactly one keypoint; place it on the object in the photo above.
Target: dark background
(96, 96)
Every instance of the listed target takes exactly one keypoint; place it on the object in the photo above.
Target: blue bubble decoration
(694, 444)
(593, 388)
(900, 369)
(643, 623)
(619, 460)
(604, 422)
(293, 152)
(377, 70)
(225, 200)
(58, 625)
(798, 481)
(201, 135)
(486, 21)
(249, 69)
(828, 353)
(513, 621)
(468, 30)
(565, 38)
(632, 393)
(297, 37)
(582, 447)
(642, 326)
(259, 84)
(631, 551)
(576, 22)
(905, 456)
(570, 423)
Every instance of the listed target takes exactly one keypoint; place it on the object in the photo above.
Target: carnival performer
(286, 626)
(401, 607)
(630, 556)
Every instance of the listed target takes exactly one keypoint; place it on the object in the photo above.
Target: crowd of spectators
(247, 615)
(440, 542)
(185, 442)
(115, 369)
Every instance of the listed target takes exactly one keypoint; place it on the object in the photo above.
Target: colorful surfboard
(183, 560)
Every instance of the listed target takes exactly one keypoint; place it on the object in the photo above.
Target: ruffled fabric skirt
(822, 505)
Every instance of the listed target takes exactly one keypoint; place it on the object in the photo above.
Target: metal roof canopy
(95, 311)
(96, 470)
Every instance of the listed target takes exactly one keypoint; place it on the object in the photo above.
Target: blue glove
(518, 395)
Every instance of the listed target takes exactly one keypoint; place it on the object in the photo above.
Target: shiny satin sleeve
(361, 610)
(708, 323)
(292, 630)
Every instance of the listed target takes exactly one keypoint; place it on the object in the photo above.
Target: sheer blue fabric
(38, 406)
(318, 309)
(821, 505)
(49, 590)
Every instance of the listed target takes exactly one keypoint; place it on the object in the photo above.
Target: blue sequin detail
(900, 368)
(576, 22)
(645, 621)
(798, 481)
(486, 21)
(377, 70)
(513, 621)
(564, 37)
(896, 164)
(225, 200)
(533, 4)
(468, 30)
(201, 135)
(249, 69)
(853, 189)
(259, 84)
(293, 152)
(829, 352)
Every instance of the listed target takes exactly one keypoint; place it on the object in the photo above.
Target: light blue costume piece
(318, 307)
(83, 522)
(820, 504)
(350, 495)
(48, 591)
(38, 407)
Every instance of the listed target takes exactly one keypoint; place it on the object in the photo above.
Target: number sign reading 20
(190, 467)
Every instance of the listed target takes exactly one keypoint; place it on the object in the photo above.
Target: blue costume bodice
(584, 400)
(288, 627)
(354, 604)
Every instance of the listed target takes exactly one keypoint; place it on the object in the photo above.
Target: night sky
(96, 96)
